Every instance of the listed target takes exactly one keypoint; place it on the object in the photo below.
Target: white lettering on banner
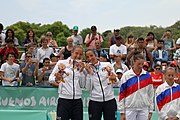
(11, 102)
(49, 101)
(19, 101)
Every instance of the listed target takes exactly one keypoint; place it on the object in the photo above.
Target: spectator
(118, 63)
(102, 101)
(177, 53)
(104, 57)
(31, 49)
(169, 44)
(11, 71)
(44, 73)
(119, 74)
(29, 70)
(168, 104)
(30, 39)
(151, 41)
(2, 36)
(66, 51)
(118, 48)
(112, 39)
(70, 103)
(146, 66)
(54, 59)
(98, 48)
(51, 43)
(8, 48)
(164, 65)
(10, 35)
(139, 48)
(177, 74)
(77, 39)
(136, 92)
(44, 51)
(160, 54)
(90, 38)
(157, 76)
(130, 43)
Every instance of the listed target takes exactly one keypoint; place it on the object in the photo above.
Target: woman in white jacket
(168, 97)
(101, 92)
(69, 102)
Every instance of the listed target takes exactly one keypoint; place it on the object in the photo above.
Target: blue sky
(105, 14)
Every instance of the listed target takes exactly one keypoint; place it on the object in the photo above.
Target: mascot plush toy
(110, 75)
(60, 74)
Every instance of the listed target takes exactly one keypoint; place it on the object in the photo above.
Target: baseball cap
(146, 64)
(173, 63)
(75, 28)
(53, 55)
(178, 41)
(119, 71)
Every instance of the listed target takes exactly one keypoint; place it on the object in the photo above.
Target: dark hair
(119, 37)
(27, 35)
(151, 33)
(130, 36)
(164, 61)
(8, 40)
(1, 26)
(138, 56)
(9, 53)
(93, 28)
(159, 41)
(168, 31)
(140, 39)
(156, 65)
(27, 53)
(92, 50)
(7, 33)
(44, 60)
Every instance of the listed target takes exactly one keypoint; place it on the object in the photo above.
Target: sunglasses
(158, 68)
(48, 35)
(29, 56)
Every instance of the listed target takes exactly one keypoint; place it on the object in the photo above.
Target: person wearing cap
(77, 39)
(157, 76)
(177, 73)
(118, 48)
(160, 54)
(54, 59)
(112, 39)
(90, 38)
(140, 47)
(177, 53)
(119, 74)
(167, 97)
(146, 66)
(136, 92)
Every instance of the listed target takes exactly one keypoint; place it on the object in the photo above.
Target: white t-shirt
(77, 40)
(122, 49)
(10, 71)
(160, 54)
(44, 53)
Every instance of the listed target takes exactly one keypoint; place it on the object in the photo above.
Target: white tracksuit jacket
(71, 89)
(97, 83)
(168, 100)
(136, 93)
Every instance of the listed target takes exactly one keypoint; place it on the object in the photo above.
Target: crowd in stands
(161, 57)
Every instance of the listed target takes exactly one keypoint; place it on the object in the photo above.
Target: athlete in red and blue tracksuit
(136, 95)
(168, 101)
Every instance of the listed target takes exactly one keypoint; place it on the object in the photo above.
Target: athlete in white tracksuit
(168, 98)
(136, 92)
(102, 100)
(69, 102)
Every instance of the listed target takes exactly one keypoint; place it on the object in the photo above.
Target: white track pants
(137, 114)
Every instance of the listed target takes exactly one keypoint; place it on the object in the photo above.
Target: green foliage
(61, 31)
